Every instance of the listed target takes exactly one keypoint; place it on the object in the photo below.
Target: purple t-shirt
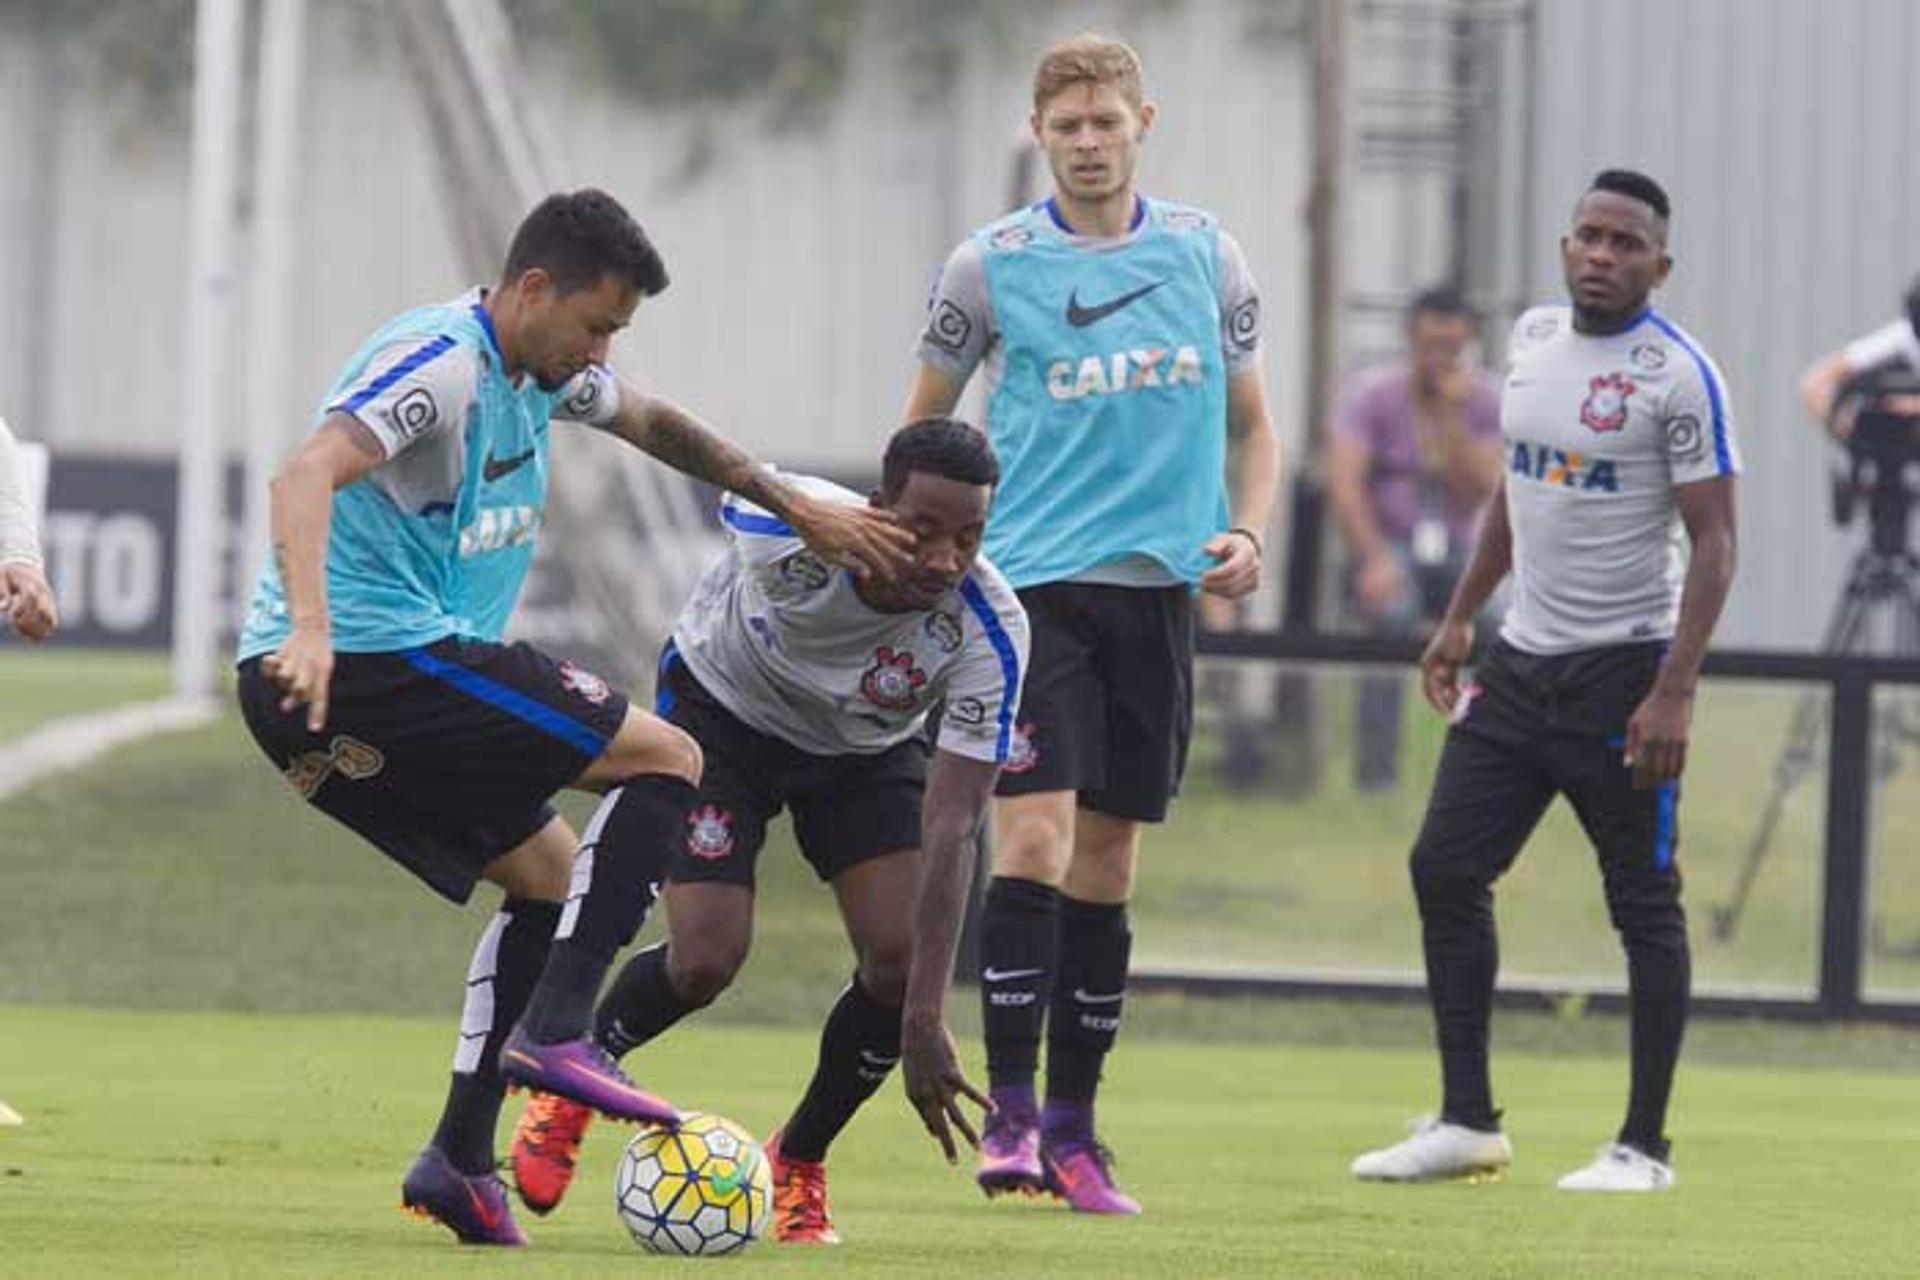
(1376, 409)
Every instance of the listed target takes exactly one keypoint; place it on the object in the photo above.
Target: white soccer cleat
(1620, 1167)
(1437, 1151)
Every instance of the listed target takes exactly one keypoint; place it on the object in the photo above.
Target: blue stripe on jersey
(422, 355)
(485, 320)
(750, 522)
(1009, 662)
(663, 699)
(580, 737)
(1722, 450)
(1663, 830)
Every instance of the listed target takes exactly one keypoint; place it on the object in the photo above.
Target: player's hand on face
(303, 667)
(27, 601)
(1656, 744)
(1440, 665)
(931, 1071)
(866, 540)
(1237, 569)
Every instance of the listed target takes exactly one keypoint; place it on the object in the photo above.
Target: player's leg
(860, 830)
(1143, 659)
(649, 772)
(1635, 833)
(1488, 795)
(709, 903)
(383, 769)
(1060, 735)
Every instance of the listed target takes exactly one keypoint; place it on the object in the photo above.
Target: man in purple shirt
(1414, 455)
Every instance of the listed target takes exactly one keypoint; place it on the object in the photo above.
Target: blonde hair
(1088, 59)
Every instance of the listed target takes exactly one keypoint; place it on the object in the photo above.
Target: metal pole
(270, 282)
(210, 237)
(1849, 793)
(1324, 209)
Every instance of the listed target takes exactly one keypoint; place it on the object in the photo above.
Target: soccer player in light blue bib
(373, 675)
(1120, 339)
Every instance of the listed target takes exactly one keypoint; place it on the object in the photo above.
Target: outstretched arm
(858, 538)
(955, 809)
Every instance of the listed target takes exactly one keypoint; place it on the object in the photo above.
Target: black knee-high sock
(858, 1048)
(1019, 949)
(506, 962)
(639, 1005)
(1463, 957)
(1659, 978)
(616, 876)
(1087, 996)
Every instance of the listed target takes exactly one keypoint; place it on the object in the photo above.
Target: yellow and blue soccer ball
(699, 1190)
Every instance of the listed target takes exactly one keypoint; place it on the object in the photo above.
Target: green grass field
(222, 1145)
(181, 876)
(39, 684)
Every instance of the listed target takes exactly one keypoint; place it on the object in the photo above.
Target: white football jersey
(785, 643)
(1598, 431)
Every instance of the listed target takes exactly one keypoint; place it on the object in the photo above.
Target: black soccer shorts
(846, 809)
(445, 756)
(1107, 708)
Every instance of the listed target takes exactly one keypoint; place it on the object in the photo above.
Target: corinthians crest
(1605, 408)
(710, 832)
(892, 681)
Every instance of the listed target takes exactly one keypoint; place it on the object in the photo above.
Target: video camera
(1882, 406)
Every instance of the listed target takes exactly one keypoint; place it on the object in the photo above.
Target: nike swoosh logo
(496, 468)
(1086, 997)
(1007, 975)
(1080, 317)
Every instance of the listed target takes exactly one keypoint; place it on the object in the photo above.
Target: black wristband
(1250, 536)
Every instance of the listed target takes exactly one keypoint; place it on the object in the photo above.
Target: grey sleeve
(1239, 306)
(959, 327)
(19, 544)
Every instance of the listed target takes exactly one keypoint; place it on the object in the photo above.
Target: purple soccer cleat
(1010, 1154)
(1081, 1173)
(471, 1205)
(584, 1072)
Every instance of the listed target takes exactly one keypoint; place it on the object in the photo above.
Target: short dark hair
(1636, 186)
(577, 237)
(1442, 300)
(944, 447)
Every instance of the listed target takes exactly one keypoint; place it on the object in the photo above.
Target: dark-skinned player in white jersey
(1619, 436)
(810, 691)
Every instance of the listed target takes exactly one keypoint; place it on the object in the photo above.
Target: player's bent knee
(1031, 849)
(649, 745)
(699, 978)
(884, 976)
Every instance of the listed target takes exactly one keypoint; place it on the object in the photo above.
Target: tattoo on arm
(678, 439)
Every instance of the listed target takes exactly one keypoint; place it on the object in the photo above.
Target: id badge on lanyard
(1431, 541)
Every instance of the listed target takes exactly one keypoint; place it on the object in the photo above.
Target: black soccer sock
(858, 1047)
(506, 963)
(1463, 957)
(639, 1005)
(1659, 978)
(616, 876)
(1087, 996)
(1019, 947)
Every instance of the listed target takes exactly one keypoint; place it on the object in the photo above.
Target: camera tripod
(1882, 586)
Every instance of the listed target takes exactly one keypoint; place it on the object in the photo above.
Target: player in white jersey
(811, 691)
(26, 602)
(1619, 435)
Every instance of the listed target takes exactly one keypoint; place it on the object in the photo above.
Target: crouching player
(809, 690)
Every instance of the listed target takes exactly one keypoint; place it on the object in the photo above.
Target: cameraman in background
(1894, 343)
